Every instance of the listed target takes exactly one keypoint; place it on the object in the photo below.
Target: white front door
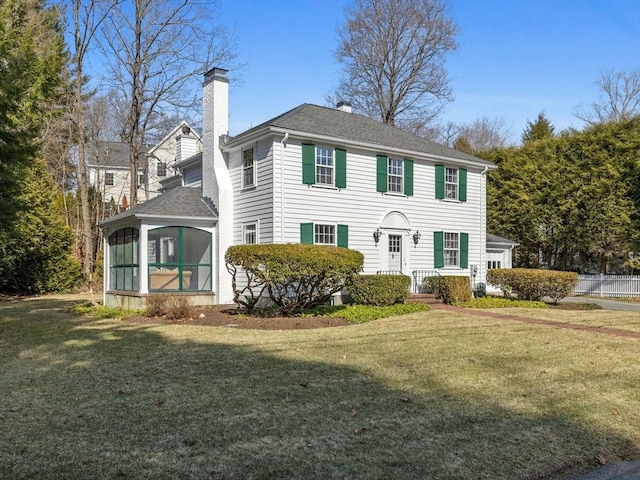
(395, 253)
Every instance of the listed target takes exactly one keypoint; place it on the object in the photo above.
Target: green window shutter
(381, 173)
(408, 177)
(462, 184)
(343, 236)
(308, 164)
(341, 168)
(440, 181)
(438, 249)
(464, 250)
(306, 233)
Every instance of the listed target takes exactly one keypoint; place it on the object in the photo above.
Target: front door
(395, 253)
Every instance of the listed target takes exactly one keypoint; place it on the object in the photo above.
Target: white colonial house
(311, 175)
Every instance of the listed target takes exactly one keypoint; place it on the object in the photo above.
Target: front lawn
(434, 395)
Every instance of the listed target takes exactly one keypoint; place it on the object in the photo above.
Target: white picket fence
(608, 285)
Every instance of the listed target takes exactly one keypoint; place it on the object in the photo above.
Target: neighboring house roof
(496, 240)
(331, 122)
(111, 154)
(173, 133)
(184, 202)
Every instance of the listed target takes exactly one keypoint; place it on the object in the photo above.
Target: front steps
(428, 298)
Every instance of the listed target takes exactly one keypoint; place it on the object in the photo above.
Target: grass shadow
(87, 398)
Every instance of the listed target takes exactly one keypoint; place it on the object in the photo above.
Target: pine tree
(538, 130)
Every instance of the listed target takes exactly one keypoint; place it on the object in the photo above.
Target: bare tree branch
(619, 99)
(393, 52)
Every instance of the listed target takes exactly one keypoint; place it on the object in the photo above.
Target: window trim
(252, 168)
(457, 250)
(161, 169)
(448, 183)
(334, 233)
(109, 179)
(395, 175)
(340, 234)
(318, 166)
(244, 232)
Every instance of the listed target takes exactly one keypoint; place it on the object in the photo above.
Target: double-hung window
(250, 233)
(450, 250)
(451, 183)
(162, 169)
(395, 175)
(248, 168)
(108, 178)
(324, 166)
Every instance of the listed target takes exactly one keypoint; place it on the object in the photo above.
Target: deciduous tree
(155, 50)
(619, 99)
(393, 53)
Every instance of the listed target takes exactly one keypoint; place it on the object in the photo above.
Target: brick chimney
(216, 181)
(344, 106)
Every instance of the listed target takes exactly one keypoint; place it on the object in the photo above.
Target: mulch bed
(229, 316)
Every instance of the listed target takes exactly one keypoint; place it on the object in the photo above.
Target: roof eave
(380, 148)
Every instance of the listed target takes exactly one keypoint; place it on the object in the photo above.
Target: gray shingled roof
(331, 122)
(177, 202)
(496, 239)
(111, 154)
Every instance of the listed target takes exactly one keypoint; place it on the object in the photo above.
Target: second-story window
(395, 175)
(324, 166)
(248, 168)
(108, 179)
(451, 183)
(162, 169)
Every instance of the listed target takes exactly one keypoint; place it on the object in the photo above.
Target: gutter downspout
(483, 225)
(283, 144)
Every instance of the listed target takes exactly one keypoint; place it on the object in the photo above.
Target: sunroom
(163, 246)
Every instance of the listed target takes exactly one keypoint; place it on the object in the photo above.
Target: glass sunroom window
(179, 259)
(124, 268)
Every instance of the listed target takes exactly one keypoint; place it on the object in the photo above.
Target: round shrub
(532, 284)
(379, 289)
(294, 277)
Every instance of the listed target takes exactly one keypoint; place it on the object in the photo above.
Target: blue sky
(515, 57)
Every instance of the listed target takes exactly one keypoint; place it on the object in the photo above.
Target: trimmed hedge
(532, 284)
(295, 277)
(379, 290)
(455, 289)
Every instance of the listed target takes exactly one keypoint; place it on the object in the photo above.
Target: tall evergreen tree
(32, 72)
(538, 130)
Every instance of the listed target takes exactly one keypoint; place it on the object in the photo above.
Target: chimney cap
(216, 73)
(344, 106)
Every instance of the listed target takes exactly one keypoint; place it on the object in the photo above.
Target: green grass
(101, 311)
(433, 395)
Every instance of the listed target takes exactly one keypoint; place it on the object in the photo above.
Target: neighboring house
(178, 145)
(311, 175)
(110, 172)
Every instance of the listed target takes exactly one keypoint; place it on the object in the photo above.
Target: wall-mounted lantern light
(376, 235)
(416, 237)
